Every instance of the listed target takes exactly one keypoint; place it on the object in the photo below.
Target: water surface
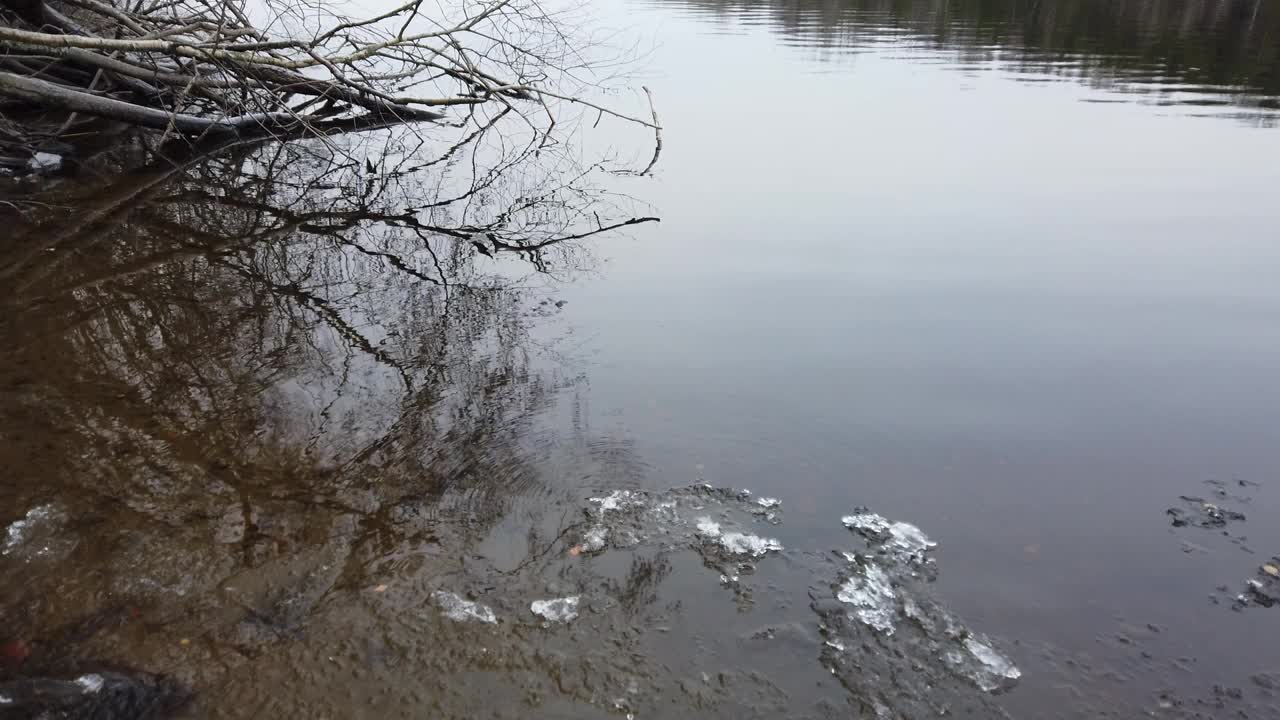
(1001, 270)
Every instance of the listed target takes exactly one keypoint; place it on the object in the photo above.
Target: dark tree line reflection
(268, 374)
(1227, 52)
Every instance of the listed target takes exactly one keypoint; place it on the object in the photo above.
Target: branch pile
(205, 67)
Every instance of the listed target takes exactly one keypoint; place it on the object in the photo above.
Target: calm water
(1002, 270)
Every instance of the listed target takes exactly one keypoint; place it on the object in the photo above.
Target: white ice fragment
(5, 699)
(736, 543)
(14, 536)
(768, 502)
(871, 593)
(90, 683)
(909, 539)
(36, 534)
(459, 610)
(996, 664)
(595, 538)
(754, 545)
(708, 527)
(904, 538)
(616, 500)
(836, 644)
(560, 610)
(44, 161)
(867, 522)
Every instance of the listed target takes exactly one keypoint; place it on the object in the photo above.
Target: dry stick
(49, 95)
(657, 133)
(266, 73)
(121, 67)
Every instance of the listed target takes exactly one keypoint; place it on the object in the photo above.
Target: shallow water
(1001, 271)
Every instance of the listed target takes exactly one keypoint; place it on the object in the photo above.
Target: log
(58, 97)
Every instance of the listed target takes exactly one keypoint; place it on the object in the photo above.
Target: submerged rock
(1198, 512)
(94, 696)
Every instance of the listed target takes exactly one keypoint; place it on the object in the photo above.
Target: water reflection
(241, 383)
(1201, 55)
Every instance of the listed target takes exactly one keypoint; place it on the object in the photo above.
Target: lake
(1002, 272)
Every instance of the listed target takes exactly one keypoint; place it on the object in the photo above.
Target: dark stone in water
(1201, 513)
(93, 696)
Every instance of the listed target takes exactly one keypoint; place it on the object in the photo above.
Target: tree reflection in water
(269, 380)
(1167, 52)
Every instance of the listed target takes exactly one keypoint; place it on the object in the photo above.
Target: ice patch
(909, 539)
(38, 534)
(617, 500)
(459, 610)
(561, 610)
(708, 527)
(866, 522)
(595, 539)
(996, 667)
(871, 593)
(900, 537)
(768, 502)
(90, 683)
(742, 544)
(6, 700)
(736, 543)
(44, 161)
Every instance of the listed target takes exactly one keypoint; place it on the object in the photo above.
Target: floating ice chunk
(984, 665)
(708, 527)
(909, 539)
(866, 522)
(993, 660)
(617, 500)
(38, 534)
(595, 539)
(768, 502)
(836, 645)
(754, 545)
(44, 161)
(459, 610)
(871, 593)
(5, 699)
(903, 538)
(90, 683)
(561, 610)
(736, 543)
